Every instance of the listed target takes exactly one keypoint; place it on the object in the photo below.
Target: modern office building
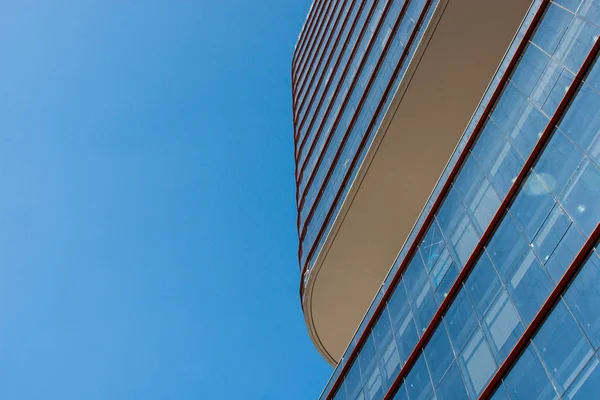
(448, 192)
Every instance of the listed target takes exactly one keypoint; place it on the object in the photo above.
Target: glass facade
(341, 93)
(508, 257)
(561, 361)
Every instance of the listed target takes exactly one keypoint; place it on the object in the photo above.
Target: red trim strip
(298, 127)
(317, 70)
(300, 52)
(344, 71)
(311, 44)
(302, 93)
(335, 68)
(438, 201)
(312, 54)
(324, 31)
(345, 103)
(309, 24)
(568, 277)
(303, 31)
(313, 97)
(294, 126)
(348, 131)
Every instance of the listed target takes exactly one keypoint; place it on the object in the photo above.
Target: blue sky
(147, 239)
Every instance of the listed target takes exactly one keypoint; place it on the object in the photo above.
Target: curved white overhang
(457, 57)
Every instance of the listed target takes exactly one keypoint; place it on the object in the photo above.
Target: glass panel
(463, 240)
(562, 347)
(432, 245)
(505, 169)
(469, 180)
(419, 293)
(590, 10)
(594, 153)
(385, 347)
(424, 307)
(354, 382)
(530, 68)
(582, 198)
(530, 127)
(341, 393)
(551, 233)
(570, 4)
(488, 145)
(552, 28)
(477, 363)
(581, 122)
(587, 384)
(483, 284)
(508, 109)
(500, 393)
(452, 386)
(405, 330)
(557, 93)
(401, 393)
(370, 370)
(546, 84)
(555, 175)
(576, 43)
(532, 205)
(507, 246)
(583, 298)
(418, 383)
(460, 320)
(483, 206)
(444, 260)
(477, 195)
(449, 214)
(502, 326)
(415, 278)
(443, 275)
(593, 77)
(439, 354)
(529, 286)
(564, 253)
(528, 379)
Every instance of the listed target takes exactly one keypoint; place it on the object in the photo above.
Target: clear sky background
(147, 217)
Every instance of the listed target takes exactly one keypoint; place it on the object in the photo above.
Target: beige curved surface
(460, 51)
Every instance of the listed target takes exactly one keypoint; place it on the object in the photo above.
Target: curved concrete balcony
(458, 55)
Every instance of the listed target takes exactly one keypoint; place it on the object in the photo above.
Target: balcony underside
(459, 53)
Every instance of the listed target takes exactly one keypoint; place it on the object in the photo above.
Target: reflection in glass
(452, 386)
(582, 197)
(483, 284)
(587, 384)
(528, 379)
(551, 233)
(502, 326)
(477, 363)
(439, 354)
(565, 252)
(507, 246)
(418, 382)
(583, 298)
(529, 286)
(562, 347)
(460, 321)
(386, 350)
